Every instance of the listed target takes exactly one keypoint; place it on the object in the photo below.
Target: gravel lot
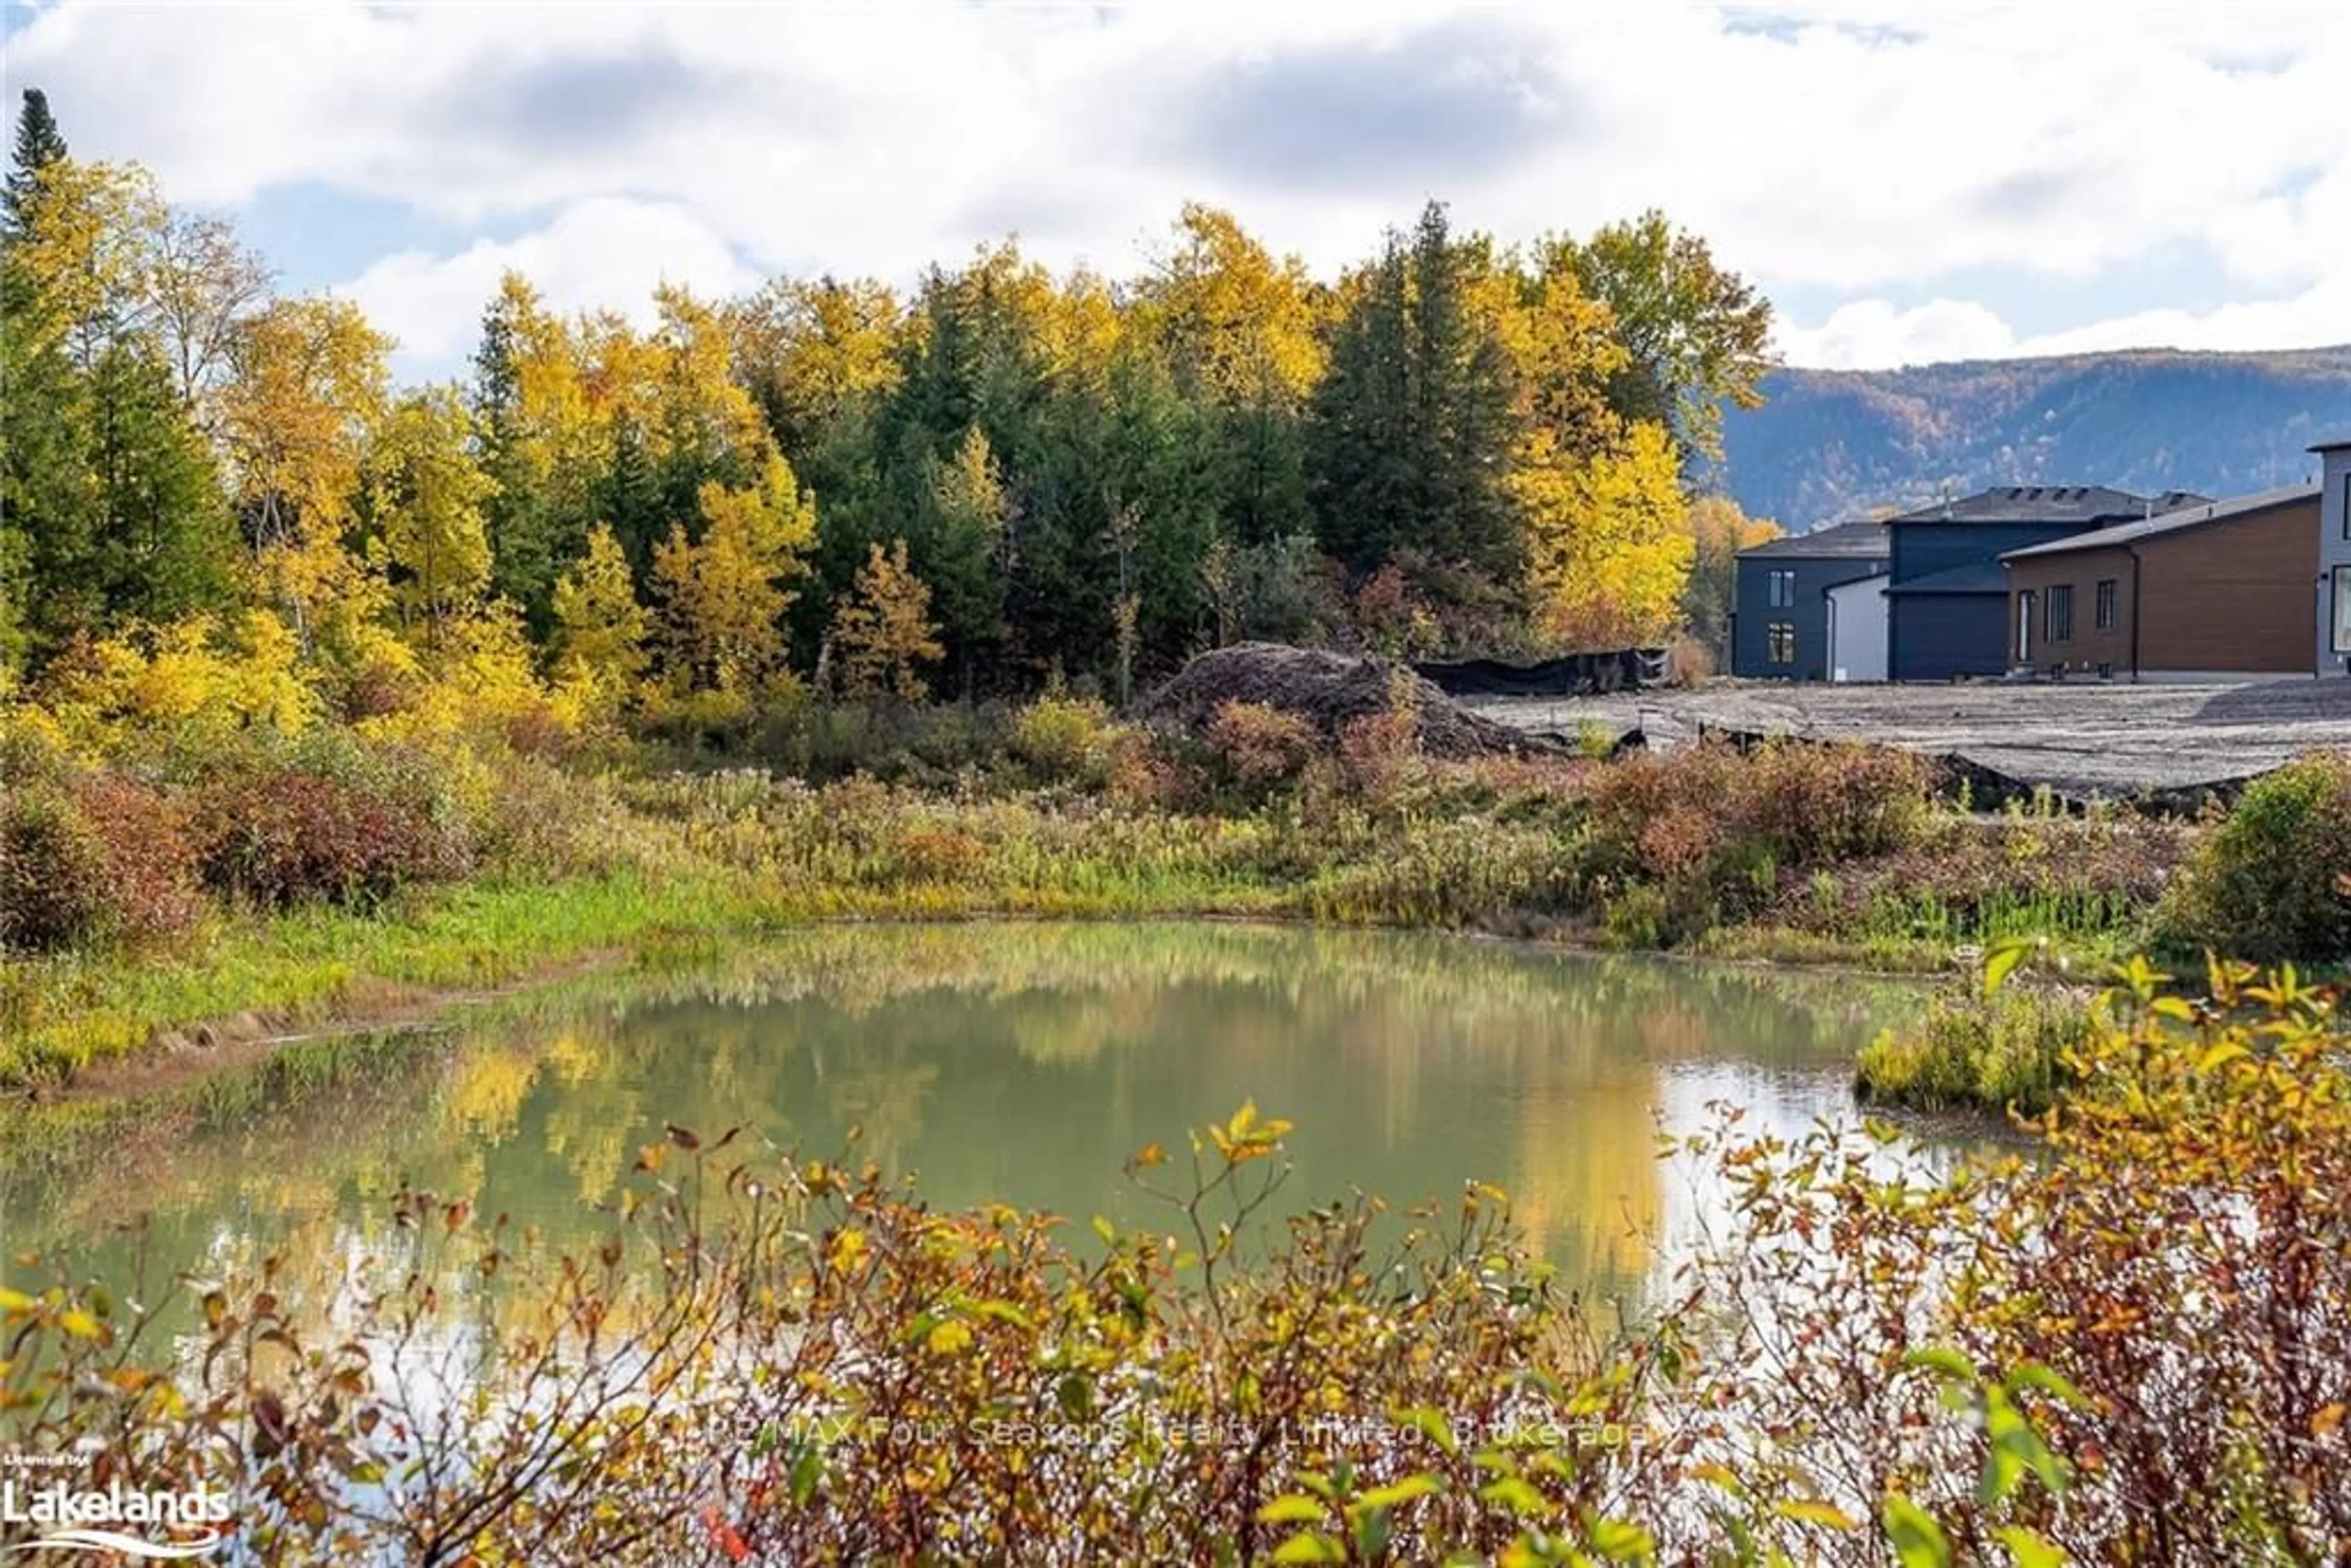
(2081, 740)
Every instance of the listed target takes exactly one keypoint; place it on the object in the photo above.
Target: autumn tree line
(1003, 479)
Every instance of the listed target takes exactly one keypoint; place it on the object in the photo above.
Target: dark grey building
(1946, 594)
(1778, 624)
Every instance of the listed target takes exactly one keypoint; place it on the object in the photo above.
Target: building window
(1779, 639)
(2342, 616)
(1783, 590)
(2107, 605)
(2060, 628)
(2024, 627)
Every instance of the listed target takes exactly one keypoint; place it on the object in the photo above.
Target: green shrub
(1065, 740)
(894, 742)
(1973, 1050)
(2267, 884)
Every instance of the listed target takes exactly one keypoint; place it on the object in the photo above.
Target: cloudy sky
(1908, 181)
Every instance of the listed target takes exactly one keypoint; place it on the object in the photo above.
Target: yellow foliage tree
(1609, 541)
(425, 493)
(811, 350)
(555, 430)
(723, 598)
(699, 408)
(88, 256)
(884, 633)
(202, 674)
(304, 393)
(1565, 349)
(1720, 530)
(1231, 319)
(600, 627)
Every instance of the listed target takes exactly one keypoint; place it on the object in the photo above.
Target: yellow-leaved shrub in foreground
(2133, 1344)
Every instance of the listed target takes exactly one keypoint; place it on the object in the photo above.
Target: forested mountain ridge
(1830, 445)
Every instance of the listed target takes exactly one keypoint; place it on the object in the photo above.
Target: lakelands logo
(150, 1526)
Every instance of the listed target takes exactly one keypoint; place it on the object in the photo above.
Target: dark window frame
(2109, 591)
(2057, 614)
(1780, 588)
(1780, 642)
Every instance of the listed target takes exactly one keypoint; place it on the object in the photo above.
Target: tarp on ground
(1574, 676)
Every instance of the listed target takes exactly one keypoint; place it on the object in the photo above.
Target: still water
(1019, 1063)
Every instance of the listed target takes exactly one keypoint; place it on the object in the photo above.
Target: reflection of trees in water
(1584, 1177)
(881, 1094)
(1090, 1038)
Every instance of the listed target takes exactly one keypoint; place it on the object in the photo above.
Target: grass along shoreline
(194, 877)
(108, 1025)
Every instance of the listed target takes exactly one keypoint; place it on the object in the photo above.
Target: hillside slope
(1830, 445)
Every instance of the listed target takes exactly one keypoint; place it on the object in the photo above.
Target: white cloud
(1872, 334)
(599, 252)
(1840, 145)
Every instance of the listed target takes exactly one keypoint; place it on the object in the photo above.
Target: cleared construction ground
(2081, 740)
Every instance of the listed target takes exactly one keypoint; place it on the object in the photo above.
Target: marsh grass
(1999, 1050)
(1815, 854)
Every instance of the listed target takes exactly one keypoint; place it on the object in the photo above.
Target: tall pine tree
(39, 144)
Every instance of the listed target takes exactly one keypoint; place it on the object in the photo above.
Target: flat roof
(2171, 522)
(2342, 446)
(1840, 541)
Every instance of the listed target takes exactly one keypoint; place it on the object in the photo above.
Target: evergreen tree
(630, 495)
(1361, 461)
(960, 549)
(1414, 428)
(516, 516)
(1462, 428)
(39, 144)
(163, 543)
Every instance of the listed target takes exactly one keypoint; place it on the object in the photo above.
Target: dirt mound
(1327, 690)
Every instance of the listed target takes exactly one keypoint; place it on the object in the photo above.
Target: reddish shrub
(150, 866)
(90, 861)
(1376, 753)
(292, 835)
(1144, 774)
(1259, 746)
(95, 860)
(52, 872)
(536, 731)
(937, 854)
(1716, 827)
(1796, 805)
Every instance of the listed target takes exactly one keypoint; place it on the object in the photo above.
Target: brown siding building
(2219, 589)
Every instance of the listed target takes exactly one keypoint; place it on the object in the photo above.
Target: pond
(1019, 1063)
